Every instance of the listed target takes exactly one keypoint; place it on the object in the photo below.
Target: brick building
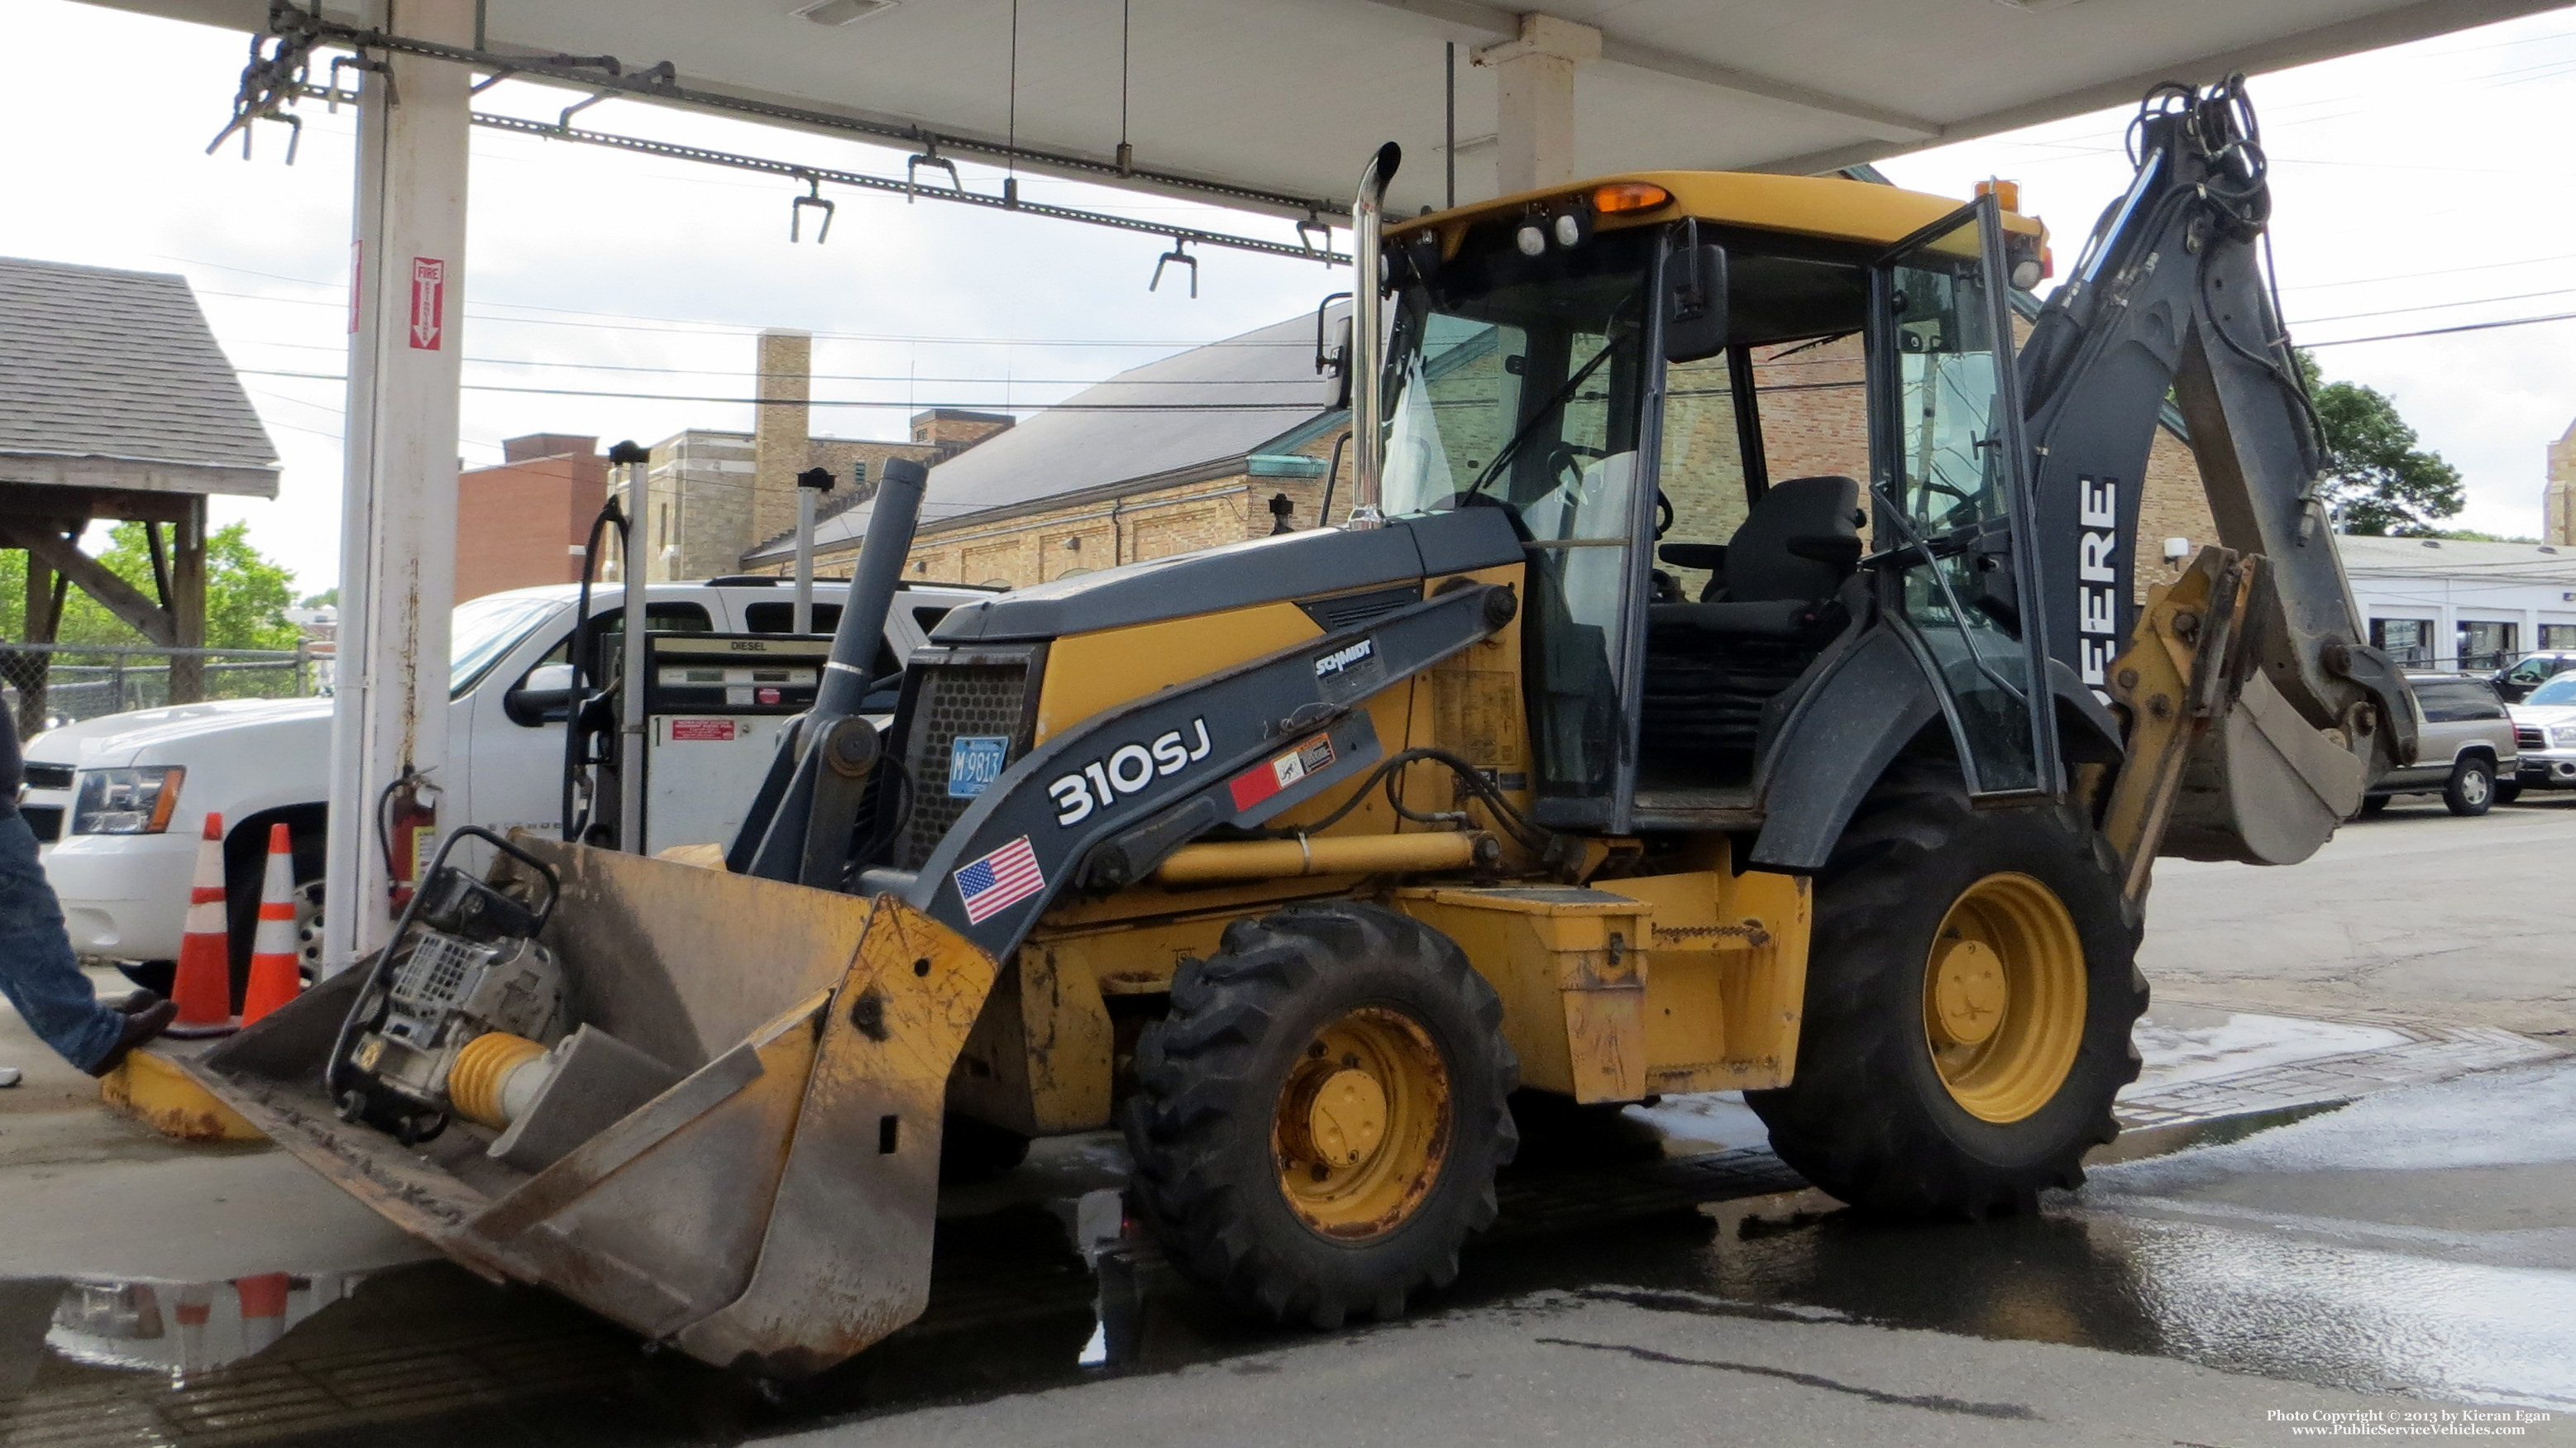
(1136, 467)
(712, 497)
(523, 523)
(2558, 496)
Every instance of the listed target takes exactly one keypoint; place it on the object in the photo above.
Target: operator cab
(1678, 409)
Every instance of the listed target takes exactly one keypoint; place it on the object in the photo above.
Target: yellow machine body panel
(1819, 206)
(1623, 989)
(1088, 673)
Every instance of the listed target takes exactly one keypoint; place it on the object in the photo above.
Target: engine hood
(1239, 575)
(114, 739)
(2542, 714)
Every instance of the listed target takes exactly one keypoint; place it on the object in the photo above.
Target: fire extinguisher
(408, 820)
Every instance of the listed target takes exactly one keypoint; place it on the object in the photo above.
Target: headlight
(127, 801)
(2563, 736)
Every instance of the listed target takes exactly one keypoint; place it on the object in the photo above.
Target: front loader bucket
(772, 1211)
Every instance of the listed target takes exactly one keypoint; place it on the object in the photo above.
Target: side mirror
(1694, 300)
(543, 697)
(1333, 352)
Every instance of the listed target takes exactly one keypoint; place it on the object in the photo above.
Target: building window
(2558, 636)
(859, 472)
(2485, 645)
(2405, 640)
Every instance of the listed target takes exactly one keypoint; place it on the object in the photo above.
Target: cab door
(1950, 487)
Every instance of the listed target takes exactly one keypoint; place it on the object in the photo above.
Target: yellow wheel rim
(1362, 1124)
(2003, 997)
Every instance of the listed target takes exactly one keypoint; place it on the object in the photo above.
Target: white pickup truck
(118, 802)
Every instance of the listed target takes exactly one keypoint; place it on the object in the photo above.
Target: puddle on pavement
(429, 1354)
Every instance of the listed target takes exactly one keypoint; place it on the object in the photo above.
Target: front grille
(49, 776)
(982, 698)
(45, 820)
(2529, 739)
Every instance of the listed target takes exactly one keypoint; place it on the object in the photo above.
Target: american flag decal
(999, 881)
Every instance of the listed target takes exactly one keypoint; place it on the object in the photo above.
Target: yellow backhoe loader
(1589, 759)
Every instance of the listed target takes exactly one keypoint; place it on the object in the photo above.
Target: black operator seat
(1775, 578)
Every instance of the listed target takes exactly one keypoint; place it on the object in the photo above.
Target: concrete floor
(2416, 913)
(2415, 1253)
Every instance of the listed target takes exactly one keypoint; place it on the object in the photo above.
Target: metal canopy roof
(1288, 96)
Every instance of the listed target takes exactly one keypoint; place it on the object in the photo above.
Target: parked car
(2465, 747)
(2544, 730)
(2530, 672)
(118, 802)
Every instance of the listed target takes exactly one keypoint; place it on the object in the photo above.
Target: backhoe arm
(2291, 713)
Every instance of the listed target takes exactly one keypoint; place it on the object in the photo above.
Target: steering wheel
(1564, 466)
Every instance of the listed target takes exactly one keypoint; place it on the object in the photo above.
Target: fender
(2087, 731)
(1842, 734)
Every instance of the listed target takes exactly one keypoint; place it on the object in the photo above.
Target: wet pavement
(2416, 1246)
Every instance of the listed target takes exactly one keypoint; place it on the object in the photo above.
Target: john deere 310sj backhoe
(1590, 758)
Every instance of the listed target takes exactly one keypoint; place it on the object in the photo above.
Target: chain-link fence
(50, 685)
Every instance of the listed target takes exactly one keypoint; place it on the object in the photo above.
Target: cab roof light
(1620, 196)
(2007, 194)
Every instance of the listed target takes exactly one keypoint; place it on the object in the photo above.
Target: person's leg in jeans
(37, 969)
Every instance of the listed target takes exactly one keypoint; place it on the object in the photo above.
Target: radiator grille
(955, 699)
(2529, 739)
(45, 821)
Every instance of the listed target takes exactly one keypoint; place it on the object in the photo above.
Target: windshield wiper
(1512, 447)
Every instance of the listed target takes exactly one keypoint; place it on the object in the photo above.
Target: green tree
(2377, 481)
(246, 593)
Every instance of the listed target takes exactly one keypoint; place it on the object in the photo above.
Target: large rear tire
(1970, 996)
(1319, 1119)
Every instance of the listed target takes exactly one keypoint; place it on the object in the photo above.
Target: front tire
(1970, 997)
(2471, 790)
(1319, 1119)
(2507, 790)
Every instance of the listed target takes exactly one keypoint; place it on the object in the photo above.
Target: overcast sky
(2423, 187)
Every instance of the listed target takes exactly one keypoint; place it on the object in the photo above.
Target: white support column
(398, 528)
(1534, 124)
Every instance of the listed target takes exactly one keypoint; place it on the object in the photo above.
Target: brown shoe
(140, 1027)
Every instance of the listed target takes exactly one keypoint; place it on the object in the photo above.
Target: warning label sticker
(1312, 756)
(719, 730)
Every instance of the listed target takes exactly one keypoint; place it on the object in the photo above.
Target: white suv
(118, 802)
(2544, 725)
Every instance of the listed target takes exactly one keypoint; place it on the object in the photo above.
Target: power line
(820, 376)
(831, 402)
(2444, 331)
(2438, 306)
(736, 329)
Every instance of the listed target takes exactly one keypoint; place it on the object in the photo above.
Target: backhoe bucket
(771, 1211)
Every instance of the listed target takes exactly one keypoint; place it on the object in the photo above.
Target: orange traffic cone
(274, 979)
(203, 984)
(263, 1307)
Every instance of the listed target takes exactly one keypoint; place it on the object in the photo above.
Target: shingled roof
(1197, 413)
(112, 379)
